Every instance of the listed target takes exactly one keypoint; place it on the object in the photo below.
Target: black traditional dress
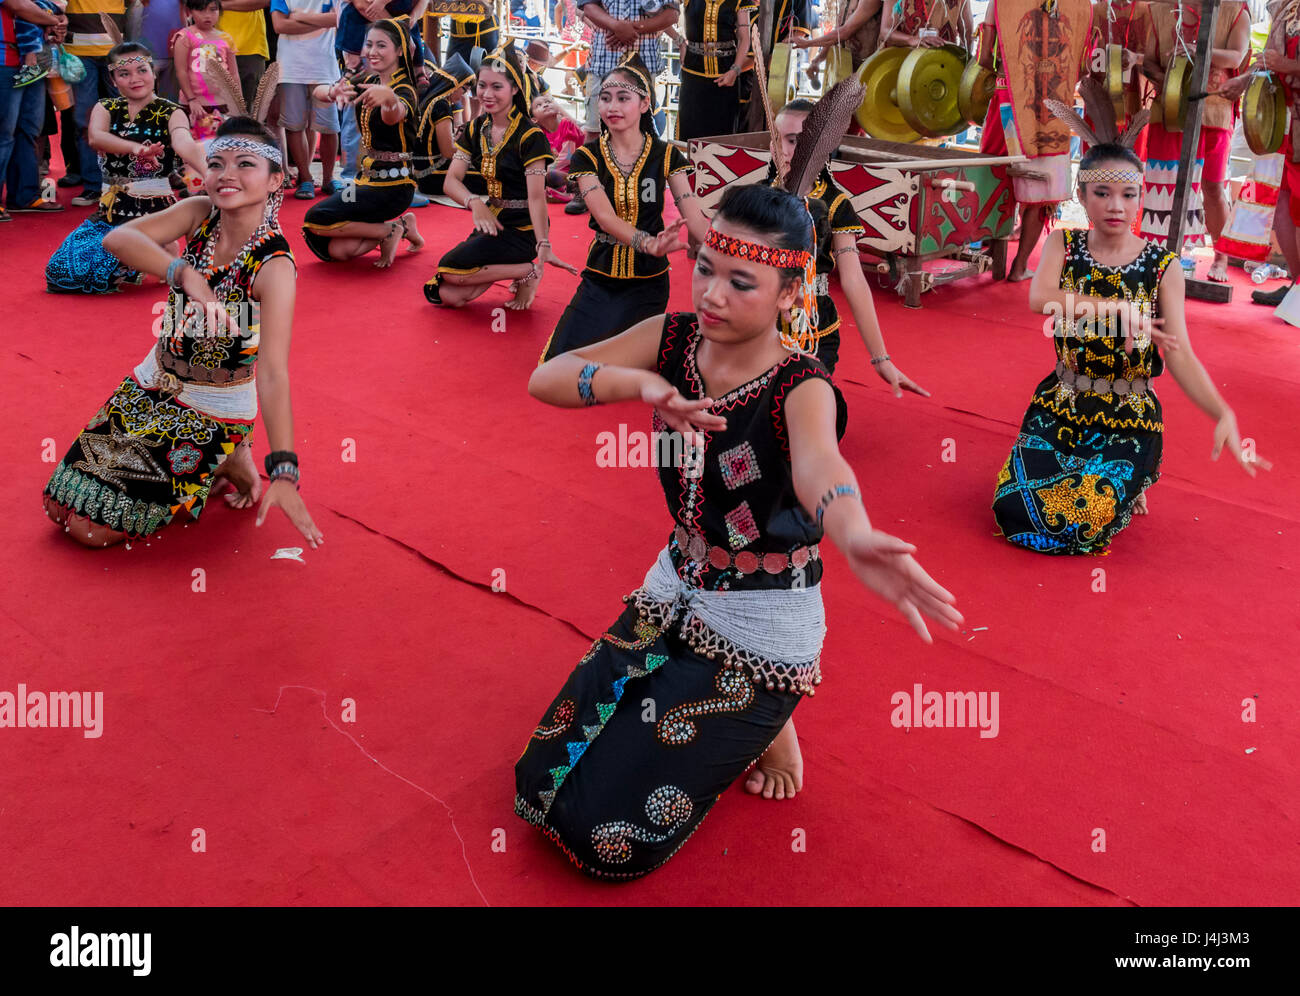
(620, 286)
(502, 167)
(833, 214)
(429, 165)
(703, 107)
(1087, 449)
(385, 186)
(133, 188)
(620, 788)
(151, 449)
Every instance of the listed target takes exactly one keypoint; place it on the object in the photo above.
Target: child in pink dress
(197, 48)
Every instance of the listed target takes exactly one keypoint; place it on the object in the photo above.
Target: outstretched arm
(274, 290)
(882, 562)
(1190, 375)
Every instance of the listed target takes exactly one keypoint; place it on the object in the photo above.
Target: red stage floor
(1120, 711)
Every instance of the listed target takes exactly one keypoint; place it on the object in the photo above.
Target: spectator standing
(21, 108)
(245, 22)
(89, 42)
(306, 56)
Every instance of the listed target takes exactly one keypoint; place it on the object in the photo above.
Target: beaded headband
(782, 259)
(241, 144)
(617, 84)
(128, 59)
(1110, 176)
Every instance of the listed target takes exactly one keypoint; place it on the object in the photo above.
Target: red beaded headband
(792, 259)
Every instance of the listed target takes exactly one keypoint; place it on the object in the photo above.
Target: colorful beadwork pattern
(755, 252)
(736, 692)
(669, 808)
(739, 466)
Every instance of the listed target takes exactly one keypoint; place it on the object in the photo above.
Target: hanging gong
(975, 92)
(778, 77)
(838, 65)
(1263, 115)
(1115, 81)
(878, 114)
(928, 85)
(1174, 96)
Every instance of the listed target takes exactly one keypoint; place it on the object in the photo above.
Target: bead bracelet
(836, 492)
(584, 384)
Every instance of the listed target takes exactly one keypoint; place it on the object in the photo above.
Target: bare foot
(411, 232)
(239, 471)
(1017, 274)
(1140, 506)
(1218, 271)
(778, 774)
(388, 247)
(524, 292)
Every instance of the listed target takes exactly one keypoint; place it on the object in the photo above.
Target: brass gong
(838, 65)
(975, 92)
(928, 85)
(1173, 98)
(1263, 115)
(878, 114)
(1115, 81)
(780, 91)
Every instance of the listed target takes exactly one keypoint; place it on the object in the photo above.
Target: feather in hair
(1135, 125)
(760, 84)
(1071, 118)
(265, 95)
(111, 29)
(1096, 102)
(823, 129)
(225, 87)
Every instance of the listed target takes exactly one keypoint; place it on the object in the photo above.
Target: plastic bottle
(1266, 271)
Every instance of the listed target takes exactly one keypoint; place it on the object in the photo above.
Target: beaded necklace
(204, 264)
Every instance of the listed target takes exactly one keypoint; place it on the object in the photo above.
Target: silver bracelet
(875, 362)
(173, 269)
(639, 239)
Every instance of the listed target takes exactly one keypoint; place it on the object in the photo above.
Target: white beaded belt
(697, 548)
(238, 401)
(1102, 385)
(710, 48)
(150, 187)
(773, 634)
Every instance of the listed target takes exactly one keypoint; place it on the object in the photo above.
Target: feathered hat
(1105, 127)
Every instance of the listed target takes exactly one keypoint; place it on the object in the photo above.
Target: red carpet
(1120, 711)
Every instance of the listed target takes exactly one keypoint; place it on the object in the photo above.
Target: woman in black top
(724, 636)
(715, 55)
(511, 153)
(369, 214)
(436, 132)
(624, 177)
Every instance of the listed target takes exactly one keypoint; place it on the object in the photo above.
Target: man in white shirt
(305, 52)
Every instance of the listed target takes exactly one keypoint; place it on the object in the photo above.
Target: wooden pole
(1203, 289)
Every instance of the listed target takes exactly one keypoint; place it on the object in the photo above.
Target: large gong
(1263, 115)
(878, 114)
(976, 92)
(780, 86)
(1173, 98)
(1115, 81)
(929, 84)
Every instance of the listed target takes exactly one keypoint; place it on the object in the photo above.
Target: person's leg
(456, 289)
(23, 180)
(1032, 217)
(85, 93)
(10, 106)
(166, 85)
(251, 68)
(1288, 238)
(326, 121)
(1217, 145)
(68, 146)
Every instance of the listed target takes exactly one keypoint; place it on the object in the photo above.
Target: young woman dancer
(183, 419)
(436, 143)
(510, 238)
(372, 213)
(141, 139)
(624, 178)
(725, 634)
(1090, 444)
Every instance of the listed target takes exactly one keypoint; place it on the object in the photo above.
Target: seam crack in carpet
(1025, 850)
(460, 577)
(419, 788)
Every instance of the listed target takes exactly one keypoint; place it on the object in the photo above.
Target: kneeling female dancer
(371, 212)
(511, 153)
(1090, 444)
(624, 177)
(141, 139)
(183, 419)
(725, 634)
